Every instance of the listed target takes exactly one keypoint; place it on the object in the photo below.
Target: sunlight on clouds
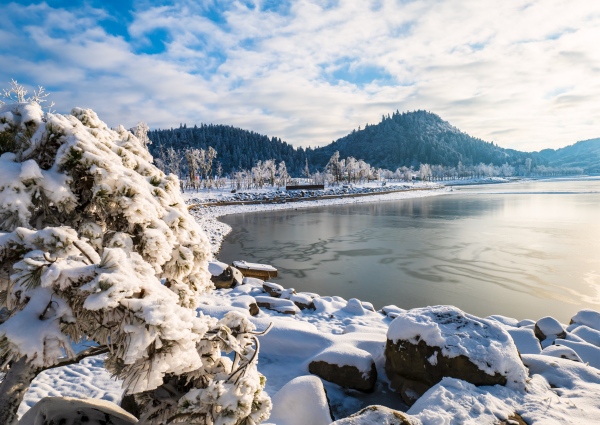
(520, 73)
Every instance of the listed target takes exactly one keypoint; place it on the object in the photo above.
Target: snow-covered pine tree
(96, 243)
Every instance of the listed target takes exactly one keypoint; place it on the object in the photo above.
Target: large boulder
(379, 415)
(426, 344)
(347, 366)
(301, 401)
(74, 411)
(549, 327)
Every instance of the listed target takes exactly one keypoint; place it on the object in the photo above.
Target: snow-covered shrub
(97, 243)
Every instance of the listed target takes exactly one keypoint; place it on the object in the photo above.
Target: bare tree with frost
(96, 243)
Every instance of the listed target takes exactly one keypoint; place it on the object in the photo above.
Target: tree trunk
(13, 389)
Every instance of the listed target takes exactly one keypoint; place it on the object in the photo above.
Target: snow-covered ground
(557, 390)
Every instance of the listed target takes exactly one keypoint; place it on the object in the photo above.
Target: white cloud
(520, 73)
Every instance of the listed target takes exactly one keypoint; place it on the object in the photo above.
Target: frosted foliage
(96, 243)
(73, 170)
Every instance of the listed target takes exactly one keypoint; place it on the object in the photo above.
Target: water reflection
(519, 254)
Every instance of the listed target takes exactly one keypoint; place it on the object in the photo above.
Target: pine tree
(97, 243)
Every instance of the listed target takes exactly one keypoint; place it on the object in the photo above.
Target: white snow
(589, 353)
(301, 401)
(586, 333)
(550, 326)
(525, 340)
(216, 268)
(253, 281)
(589, 318)
(562, 352)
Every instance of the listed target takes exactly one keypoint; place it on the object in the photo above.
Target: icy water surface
(525, 250)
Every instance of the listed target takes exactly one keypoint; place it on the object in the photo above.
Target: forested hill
(411, 138)
(400, 139)
(237, 149)
(584, 154)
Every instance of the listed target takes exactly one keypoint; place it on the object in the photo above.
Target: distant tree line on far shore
(418, 144)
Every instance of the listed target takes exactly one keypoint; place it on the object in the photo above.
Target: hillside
(237, 149)
(411, 138)
(584, 154)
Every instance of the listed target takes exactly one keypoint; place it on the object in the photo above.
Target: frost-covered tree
(206, 162)
(141, 132)
(194, 158)
(96, 243)
(425, 172)
(282, 174)
(169, 160)
(335, 167)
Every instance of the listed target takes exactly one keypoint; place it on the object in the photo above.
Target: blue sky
(521, 73)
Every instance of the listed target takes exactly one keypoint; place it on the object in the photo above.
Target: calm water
(524, 250)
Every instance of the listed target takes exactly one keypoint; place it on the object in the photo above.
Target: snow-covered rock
(378, 415)
(525, 340)
(588, 318)
(589, 353)
(347, 366)
(549, 327)
(586, 333)
(247, 302)
(355, 307)
(74, 411)
(303, 301)
(273, 289)
(225, 278)
(562, 352)
(392, 311)
(301, 401)
(280, 305)
(526, 322)
(426, 344)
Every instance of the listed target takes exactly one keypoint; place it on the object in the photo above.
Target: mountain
(584, 154)
(411, 138)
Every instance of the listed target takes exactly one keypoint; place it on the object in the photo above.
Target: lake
(524, 250)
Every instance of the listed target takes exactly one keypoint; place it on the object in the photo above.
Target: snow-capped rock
(426, 344)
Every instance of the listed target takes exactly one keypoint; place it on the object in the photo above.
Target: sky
(523, 74)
